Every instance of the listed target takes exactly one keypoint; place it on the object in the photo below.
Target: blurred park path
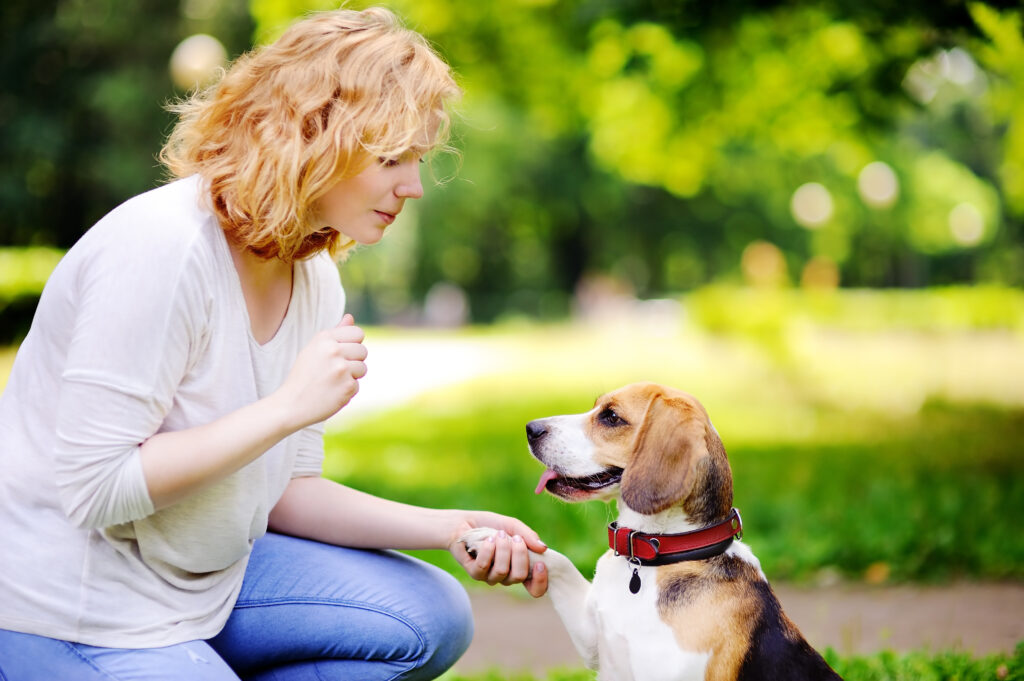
(514, 632)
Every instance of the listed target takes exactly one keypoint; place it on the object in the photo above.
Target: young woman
(166, 408)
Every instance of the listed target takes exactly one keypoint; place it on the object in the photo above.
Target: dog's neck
(672, 520)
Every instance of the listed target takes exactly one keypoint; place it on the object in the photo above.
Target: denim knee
(447, 629)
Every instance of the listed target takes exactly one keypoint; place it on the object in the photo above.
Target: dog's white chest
(634, 644)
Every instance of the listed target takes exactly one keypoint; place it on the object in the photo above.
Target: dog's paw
(475, 538)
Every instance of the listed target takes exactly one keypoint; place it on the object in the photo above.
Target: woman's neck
(267, 287)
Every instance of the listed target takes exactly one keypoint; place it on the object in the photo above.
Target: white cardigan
(142, 328)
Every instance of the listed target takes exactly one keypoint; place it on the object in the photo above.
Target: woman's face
(361, 207)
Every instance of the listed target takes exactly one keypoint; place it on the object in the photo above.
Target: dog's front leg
(568, 589)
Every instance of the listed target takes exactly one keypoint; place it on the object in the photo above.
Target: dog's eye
(610, 418)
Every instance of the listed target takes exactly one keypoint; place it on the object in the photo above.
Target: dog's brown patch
(721, 595)
(664, 441)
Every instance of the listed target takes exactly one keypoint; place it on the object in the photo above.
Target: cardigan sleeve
(330, 308)
(134, 325)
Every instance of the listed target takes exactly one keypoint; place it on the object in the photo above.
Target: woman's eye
(389, 162)
(610, 418)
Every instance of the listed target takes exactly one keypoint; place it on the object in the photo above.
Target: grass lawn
(919, 666)
(877, 457)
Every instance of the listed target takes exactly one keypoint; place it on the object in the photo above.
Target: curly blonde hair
(288, 120)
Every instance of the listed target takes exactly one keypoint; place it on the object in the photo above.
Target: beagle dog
(677, 596)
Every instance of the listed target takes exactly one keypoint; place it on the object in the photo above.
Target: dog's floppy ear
(665, 452)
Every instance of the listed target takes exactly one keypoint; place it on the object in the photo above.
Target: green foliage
(928, 666)
(82, 109)
(23, 273)
(1002, 52)
(886, 666)
(757, 312)
(645, 141)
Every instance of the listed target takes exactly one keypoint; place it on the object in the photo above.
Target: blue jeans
(306, 611)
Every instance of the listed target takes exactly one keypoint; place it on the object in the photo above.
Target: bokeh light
(196, 61)
(966, 224)
(877, 185)
(952, 73)
(820, 273)
(763, 264)
(811, 205)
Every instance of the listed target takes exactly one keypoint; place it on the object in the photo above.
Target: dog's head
(651, 445)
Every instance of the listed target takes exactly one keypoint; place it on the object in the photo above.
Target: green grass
(916, 666)
(926, 498)
(887, 456)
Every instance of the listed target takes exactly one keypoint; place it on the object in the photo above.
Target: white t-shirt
(142, 328)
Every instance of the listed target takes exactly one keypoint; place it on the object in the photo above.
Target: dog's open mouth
(560, 485)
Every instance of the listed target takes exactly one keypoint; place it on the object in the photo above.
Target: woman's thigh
(25, 657)
(313, 611)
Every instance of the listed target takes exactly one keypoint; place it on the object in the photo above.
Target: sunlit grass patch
(886, 666)
(890, 456)
(7, 354)
(928, 497)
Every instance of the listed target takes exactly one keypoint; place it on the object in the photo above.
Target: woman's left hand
(503, 558)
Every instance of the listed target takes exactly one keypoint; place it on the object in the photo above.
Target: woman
(166, 408)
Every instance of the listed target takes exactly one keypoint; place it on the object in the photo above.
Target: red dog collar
(661, 549)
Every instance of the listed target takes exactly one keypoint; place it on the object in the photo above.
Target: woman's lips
(388, 218)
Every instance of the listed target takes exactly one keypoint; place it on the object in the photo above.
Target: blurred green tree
(660, 145)
(82, 107)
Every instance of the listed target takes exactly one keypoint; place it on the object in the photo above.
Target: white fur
(634, 644)
(567, 449)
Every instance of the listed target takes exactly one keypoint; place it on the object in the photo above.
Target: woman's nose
(409, 185)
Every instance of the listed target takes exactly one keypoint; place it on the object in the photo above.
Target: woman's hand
(325, 375)
(504, 558)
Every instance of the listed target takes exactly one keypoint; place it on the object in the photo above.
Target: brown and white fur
(655, 449)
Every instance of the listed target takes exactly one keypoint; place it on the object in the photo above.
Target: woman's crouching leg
(314, 611)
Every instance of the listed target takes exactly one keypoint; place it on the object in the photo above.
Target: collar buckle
(737, 524)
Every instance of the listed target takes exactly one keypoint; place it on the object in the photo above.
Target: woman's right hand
(325, 375)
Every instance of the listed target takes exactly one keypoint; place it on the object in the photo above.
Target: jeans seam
(420, 638)
(88, 660)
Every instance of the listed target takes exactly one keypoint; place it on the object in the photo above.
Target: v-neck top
(141, 329)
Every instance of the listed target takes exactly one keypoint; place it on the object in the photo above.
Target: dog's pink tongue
(547, 475)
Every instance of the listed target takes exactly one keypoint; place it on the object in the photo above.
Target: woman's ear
(665, 451)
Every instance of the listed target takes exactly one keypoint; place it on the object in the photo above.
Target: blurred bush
(758, 311)
(870, 144)
(23, 273)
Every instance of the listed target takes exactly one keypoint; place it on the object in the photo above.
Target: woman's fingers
(346, 334)
(481, 565)
(500, 565)
(353, 351)
(519, 562)
(537, 584)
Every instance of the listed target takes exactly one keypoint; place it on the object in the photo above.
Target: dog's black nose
(535, 430)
